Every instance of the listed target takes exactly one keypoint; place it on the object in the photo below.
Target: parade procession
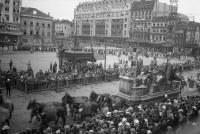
(99, 67)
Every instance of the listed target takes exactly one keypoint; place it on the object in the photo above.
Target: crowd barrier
(57, 85)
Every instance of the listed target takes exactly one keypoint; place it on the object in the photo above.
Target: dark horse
(80, 107)
(47, 112)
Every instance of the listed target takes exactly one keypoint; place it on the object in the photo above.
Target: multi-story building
(63, 28)
(10, 24)
(105, 19)
(37, 28)
(63, 32)
(142, 14)
(162, 25)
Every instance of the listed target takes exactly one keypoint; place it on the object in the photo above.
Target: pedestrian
(51, 67)
(8, 87)
(11, 64)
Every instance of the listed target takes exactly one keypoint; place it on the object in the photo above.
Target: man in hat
(11, 64)
(8, 87)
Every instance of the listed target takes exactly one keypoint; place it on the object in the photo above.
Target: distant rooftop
(34, 12)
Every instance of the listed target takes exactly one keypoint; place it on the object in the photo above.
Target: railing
(58, 85)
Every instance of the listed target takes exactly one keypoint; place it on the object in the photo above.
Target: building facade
(105, 19)
(63, 32)
(142, 14)
(63, 28)
(37, 28)
(163, 25)
(10, 24)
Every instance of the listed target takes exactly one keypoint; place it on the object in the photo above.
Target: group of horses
(79, 108)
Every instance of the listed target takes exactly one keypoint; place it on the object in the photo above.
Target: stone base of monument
(145, 94)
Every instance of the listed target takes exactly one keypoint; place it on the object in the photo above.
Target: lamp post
(105, 60)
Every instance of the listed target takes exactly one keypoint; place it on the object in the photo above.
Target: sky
(64, 9)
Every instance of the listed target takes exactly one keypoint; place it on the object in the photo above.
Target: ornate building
(10, 24)
(142, 14)
(105, 19)
(37, 28)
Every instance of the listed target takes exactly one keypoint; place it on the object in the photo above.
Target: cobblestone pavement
(21, 114)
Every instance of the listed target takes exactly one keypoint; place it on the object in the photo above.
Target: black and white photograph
(99, 67)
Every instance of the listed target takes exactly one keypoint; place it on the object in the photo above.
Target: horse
(47, 112)
(7, 104)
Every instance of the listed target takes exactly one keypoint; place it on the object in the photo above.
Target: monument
(149, 85)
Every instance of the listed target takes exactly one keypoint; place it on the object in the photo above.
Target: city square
(99, 67)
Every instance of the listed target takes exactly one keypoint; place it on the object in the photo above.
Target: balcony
(10, 29)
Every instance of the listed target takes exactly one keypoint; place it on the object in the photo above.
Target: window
(31, 32)
(43, 25)
(7, 18)
(126, 19)
(24, 23)
(37, 32)
(125, 25)
(37, 24)
(24, 32)
(31, 23)
(6, 9)
(48, 34)
(7, 1)
(49, 25)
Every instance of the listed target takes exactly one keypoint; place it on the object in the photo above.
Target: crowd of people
(68, 72)
(168, 116)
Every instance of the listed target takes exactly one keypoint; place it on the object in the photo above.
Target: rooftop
(34, 12)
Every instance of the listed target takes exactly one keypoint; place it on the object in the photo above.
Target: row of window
(37, 24)
(48, 34)
(158, 38)
(15, 10)
(62, 27)
(102, 15)
(159, 30)
(160, 24)
(140, 37)
(15, 3)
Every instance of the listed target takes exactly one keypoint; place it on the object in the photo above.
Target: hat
(115, 111)
(5, 127)
(66, 127)
(124, 120)
(149, 132)
(108, 114)
(91, 131)
(58, 131)
(136, 121)
(139, 107)
(164, 107)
